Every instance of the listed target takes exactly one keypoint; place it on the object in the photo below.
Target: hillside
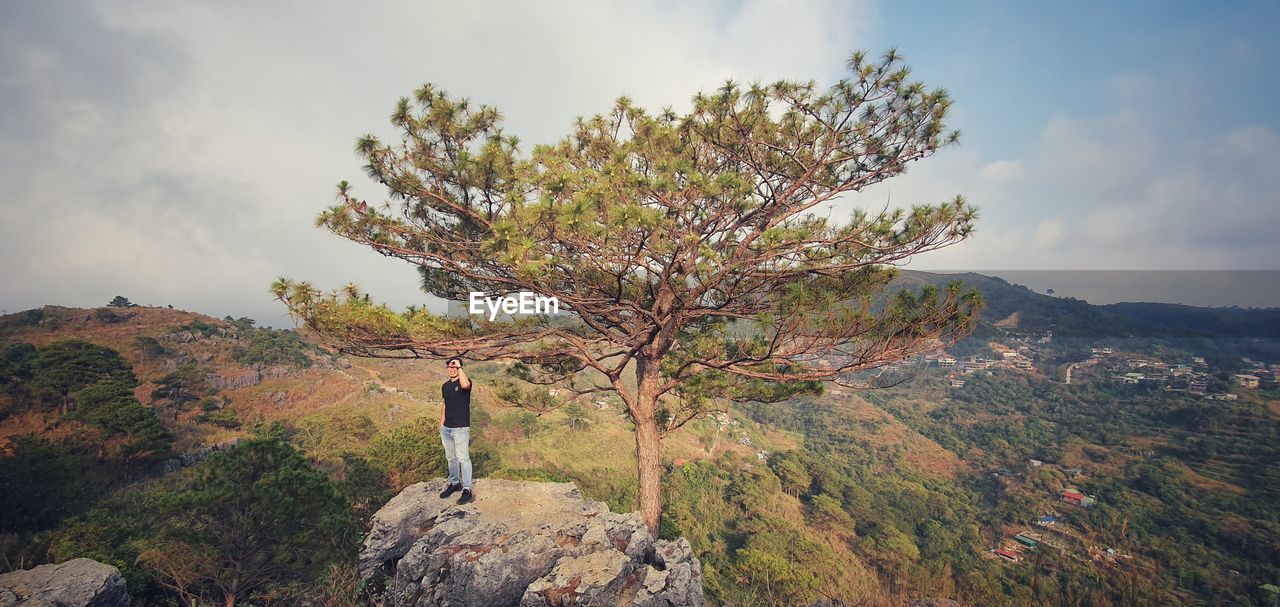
(881, 496)
(1013, 306)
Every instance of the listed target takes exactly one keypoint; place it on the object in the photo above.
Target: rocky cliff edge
(520, 543)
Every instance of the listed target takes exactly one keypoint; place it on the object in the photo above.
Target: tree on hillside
(180, 387)
(576, 415)
(132, 433)
(40, 482)
(256, 515)
(120, 301)
(70, 365)
(683, 250)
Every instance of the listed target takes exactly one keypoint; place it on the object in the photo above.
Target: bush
(412, 453)
(222, 419)
(105, 315)
(40, 483)
(269, 347)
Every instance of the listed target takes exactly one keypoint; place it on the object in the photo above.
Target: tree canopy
(685, 249)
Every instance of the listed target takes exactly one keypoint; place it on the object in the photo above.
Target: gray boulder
(520, 544)
(76, 583)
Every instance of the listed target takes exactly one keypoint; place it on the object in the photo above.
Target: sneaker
(466, 497)
(450, 490)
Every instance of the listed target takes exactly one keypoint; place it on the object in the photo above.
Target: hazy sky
(179, 153)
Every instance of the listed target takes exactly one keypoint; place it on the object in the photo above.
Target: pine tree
(684, 252)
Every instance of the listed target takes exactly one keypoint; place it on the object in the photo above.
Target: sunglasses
(454, 366)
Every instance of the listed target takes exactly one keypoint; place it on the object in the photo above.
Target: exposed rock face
(76, 583)
(198, 455)
(231, 382)
(521, 544)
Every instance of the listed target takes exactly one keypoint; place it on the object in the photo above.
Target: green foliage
(412, 452)
(365, 485)
(829, 512)
(182, 386)
(16, 369)
(222, 419)
(30, 317)
(40, 483)
(120, 301)
(198, 327)
(149, 347)
(105, 315)
(251, 517)
(576, 415)
(114, 532)
(783, 563)
(111, 406)
(684, 246)
(268, 347)
(243, 325)
(70, 365)
(795, 479)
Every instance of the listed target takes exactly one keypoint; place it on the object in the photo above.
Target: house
(1047, 521)
(1035, 463)
(1074, 472)
(946, 362)
(1198, 360)
(1009, 355)
(1023, 364)
(1006, 555)
(957, 383)
(1245, 381)
(1073, 496)
(1129, 378)
(1026, 541)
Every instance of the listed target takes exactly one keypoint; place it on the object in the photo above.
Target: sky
(178, 153)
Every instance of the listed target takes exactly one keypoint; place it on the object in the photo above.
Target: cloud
(1048, 233)
(1148, 180)
(178, 154)
(1001, 171)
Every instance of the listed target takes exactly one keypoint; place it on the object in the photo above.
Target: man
(455, 430)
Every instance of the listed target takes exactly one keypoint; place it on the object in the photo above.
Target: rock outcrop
(226, 381)
(197, 455)
(521, 544)
(76, 583)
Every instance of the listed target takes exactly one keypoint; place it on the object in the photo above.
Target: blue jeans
(456, 443)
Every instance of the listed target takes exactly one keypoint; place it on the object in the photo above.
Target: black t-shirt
(457, 404)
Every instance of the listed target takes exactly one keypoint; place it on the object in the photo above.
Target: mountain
(1014, 306)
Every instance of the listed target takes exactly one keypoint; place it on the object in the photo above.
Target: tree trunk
(649, 472)
(648, 448)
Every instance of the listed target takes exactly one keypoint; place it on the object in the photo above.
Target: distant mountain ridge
(1069, 317)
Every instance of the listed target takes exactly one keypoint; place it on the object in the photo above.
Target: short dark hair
(453, 359)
